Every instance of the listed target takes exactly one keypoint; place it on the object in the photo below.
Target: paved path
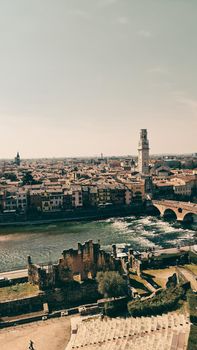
(149, 286)
(189, 276)
(14, 274)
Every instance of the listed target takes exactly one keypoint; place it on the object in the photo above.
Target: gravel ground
(47, 335)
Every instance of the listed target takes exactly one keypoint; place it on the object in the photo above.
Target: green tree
(10, 176)
(111, 284)
(28, 179)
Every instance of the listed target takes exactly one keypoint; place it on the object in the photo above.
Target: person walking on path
(31, 345)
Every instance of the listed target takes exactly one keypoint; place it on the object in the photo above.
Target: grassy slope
(18, 291)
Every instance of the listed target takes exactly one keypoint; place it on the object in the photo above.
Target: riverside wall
(13, 219)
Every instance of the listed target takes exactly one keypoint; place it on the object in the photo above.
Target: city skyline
(70, 89)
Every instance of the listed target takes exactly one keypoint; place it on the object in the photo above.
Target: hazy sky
(81, 77)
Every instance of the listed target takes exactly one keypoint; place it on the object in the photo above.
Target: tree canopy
(10, 176)
(28, 179)
(111, 284)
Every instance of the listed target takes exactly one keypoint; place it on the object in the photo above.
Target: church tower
(143, 153)
(17, 159)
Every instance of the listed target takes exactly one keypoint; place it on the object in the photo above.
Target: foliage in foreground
(192, 342)
(111, 284)
(192, 257)
(116, 307)
(192, 300)
(167, 300)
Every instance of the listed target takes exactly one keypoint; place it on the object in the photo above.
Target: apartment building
(77, 199)
(9, 202)
(21, 200)
(104, 196)
(52, 200)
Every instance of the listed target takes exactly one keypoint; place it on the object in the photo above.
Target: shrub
(111, 284)
(116, 307)
(192, 338)
(192, 300)
(192, 257)
(165, 301)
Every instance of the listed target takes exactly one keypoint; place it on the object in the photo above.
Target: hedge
(192, 342)
(167, 300)
(116, 307)
(193, 257)
(192, 300)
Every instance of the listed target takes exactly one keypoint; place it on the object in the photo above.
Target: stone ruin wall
(72, 294)
(21, 306)
(41, 276)
(33, 272)
(83, 263)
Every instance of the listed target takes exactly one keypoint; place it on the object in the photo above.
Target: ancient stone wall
(33, 272)
(21, 306)
(72, 294)
(85, 261)
(78, 264)
(44, 277)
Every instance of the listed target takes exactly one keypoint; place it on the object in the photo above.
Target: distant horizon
(104, 156)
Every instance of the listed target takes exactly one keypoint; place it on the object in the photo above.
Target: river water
(45, 243)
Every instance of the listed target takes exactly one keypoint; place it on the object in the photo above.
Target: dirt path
(47, 335)
(189, 276)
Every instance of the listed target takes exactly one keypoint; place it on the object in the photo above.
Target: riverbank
(72, 215)
(45, 242)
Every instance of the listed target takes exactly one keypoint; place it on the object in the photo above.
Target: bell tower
(17, 159)
(143, 153)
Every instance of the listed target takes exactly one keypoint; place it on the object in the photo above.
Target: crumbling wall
(44, 277)
(72, 294)
(135, 262)
(33, 272)
(85, 261)
(79, 264)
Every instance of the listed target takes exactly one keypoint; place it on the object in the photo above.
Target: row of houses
(58, 198)
(177, 186)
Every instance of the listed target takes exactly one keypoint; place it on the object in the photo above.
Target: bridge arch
(181, 211)
(189, 217)
(169, 214)
(156, 211)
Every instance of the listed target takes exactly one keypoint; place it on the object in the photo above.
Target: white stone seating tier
(167, 332)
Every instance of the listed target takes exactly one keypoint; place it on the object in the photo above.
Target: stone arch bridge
(184, 211)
